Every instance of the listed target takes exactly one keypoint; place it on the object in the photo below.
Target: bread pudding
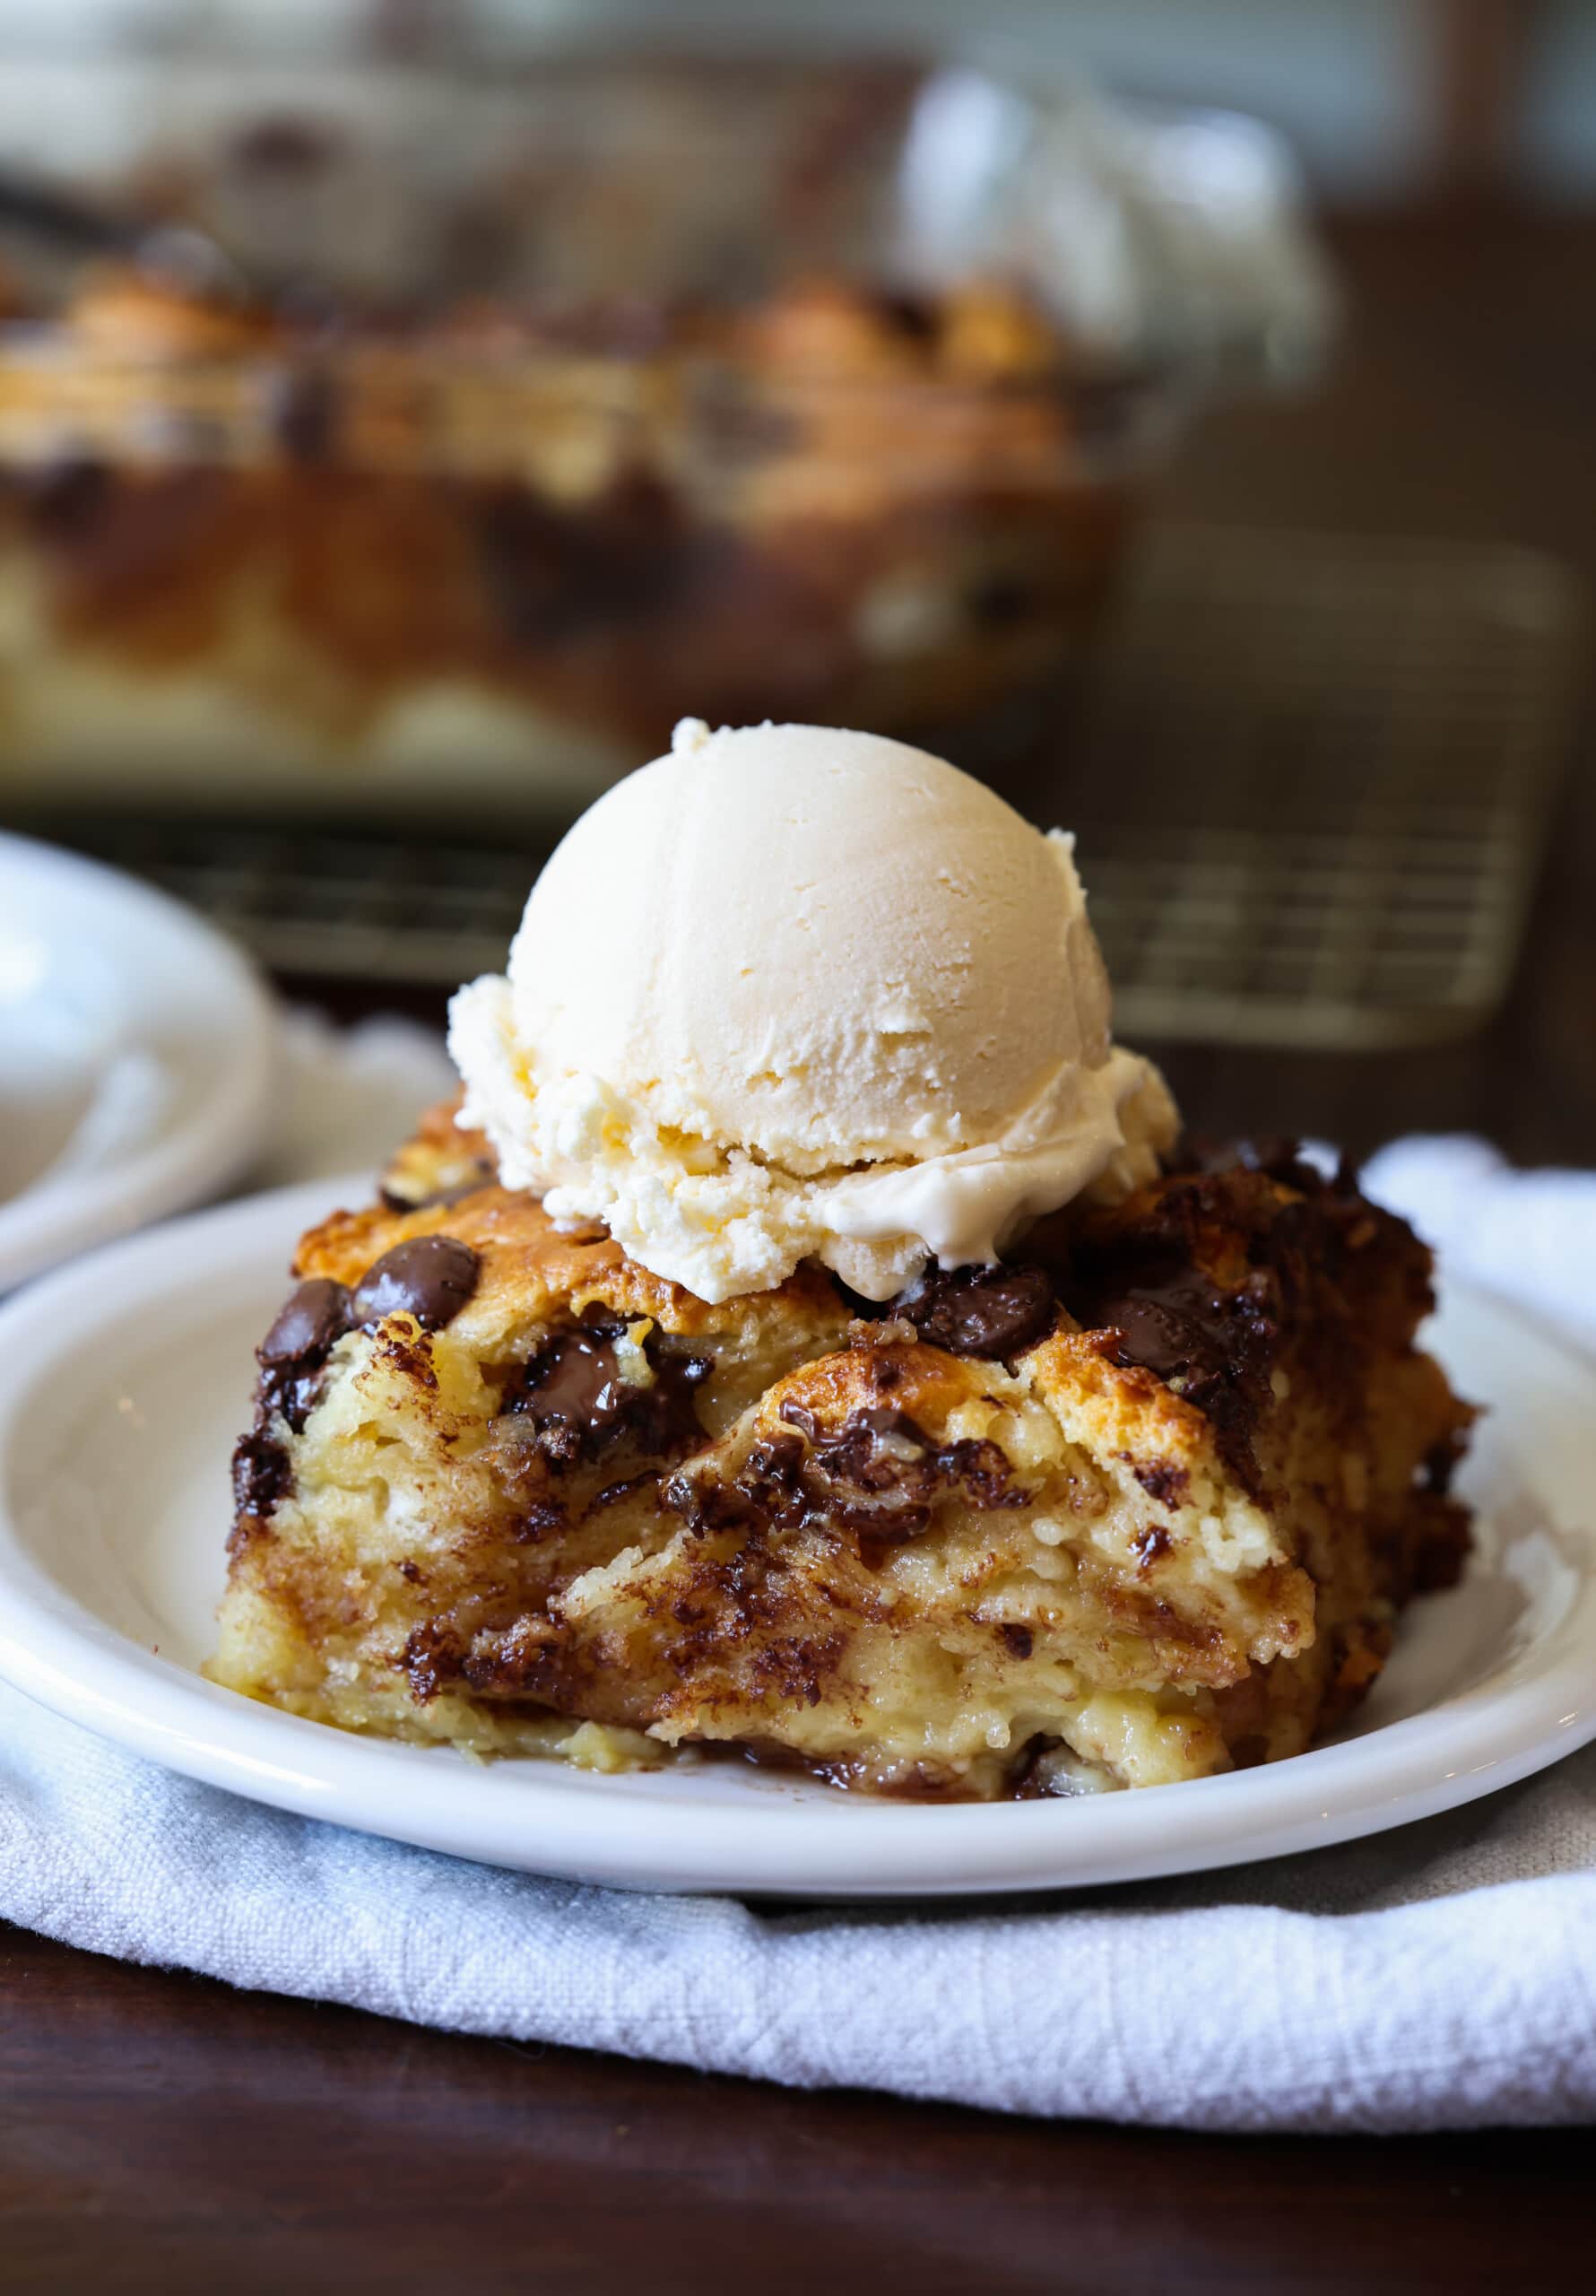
(1141, 1504)
(808, 1337)
(490, 560)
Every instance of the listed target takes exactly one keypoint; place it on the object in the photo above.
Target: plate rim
(180, 1166)
(772, 1842)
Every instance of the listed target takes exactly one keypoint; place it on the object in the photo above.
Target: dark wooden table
(161, 2132)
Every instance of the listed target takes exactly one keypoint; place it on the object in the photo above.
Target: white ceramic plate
(124, 1379)
(136, 1056)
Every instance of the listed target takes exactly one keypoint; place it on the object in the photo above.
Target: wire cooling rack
(1313, 780)
(1310, 776)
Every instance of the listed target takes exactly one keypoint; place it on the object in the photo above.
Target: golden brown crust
(1172, 1536)
(531, 1265)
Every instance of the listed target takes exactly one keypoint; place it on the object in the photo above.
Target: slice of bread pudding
(1142, 1505)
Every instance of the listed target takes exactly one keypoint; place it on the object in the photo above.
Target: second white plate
(124, 1380)
(136, 1050)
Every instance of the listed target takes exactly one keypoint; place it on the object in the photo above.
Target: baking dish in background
(434, 440)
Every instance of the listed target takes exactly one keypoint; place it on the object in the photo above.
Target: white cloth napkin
(1443, 1976)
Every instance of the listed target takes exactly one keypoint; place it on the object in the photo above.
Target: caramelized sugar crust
(508, 1490)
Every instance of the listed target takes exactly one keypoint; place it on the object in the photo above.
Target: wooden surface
(159, 2132)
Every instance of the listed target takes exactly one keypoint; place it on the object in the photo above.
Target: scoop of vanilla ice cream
(794, 991)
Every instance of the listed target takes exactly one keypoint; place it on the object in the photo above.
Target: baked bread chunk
(1140, 1505)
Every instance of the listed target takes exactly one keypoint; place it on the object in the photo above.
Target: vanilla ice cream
(790, 992)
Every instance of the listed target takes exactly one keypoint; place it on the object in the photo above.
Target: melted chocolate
(293, 1358)
(293, 1354)
(879, 1452)
(877, 1476)
(430, 1278)
(874, 1450)
(986, 1311)
(766, 1494)
(581, 1405)
(1162, 1480)
(1211, 1345)
(1214, 1344)
(260, 1473)
(308, 1322)
(1176, 1320)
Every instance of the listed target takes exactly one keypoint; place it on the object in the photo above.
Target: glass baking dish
(432, 441)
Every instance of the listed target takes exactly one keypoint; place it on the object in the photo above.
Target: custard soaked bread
(1139, 1504)
(821, 1350)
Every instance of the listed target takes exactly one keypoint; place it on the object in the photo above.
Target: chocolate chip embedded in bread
(308, 1322)
(430, 1278)
(260, 1473)
(293, 1357)
(574, 1394)
(988, 1311)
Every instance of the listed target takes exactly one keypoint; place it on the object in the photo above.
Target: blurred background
(1178, 411)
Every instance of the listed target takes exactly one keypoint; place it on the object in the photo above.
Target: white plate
(136, 1056)
(124, 1379)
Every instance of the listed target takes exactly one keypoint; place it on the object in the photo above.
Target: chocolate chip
(1177, 1321)
(575, 1396)
(766, 1494)
(876, 1450)
(989, 1312)
(293, 1357)
(1162, 1480)
(260, 1473)
(308, 1322)
(1151, 1291)
(1214, 1347)
(430, 1278)
(580, 1405)
(876, 1476)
